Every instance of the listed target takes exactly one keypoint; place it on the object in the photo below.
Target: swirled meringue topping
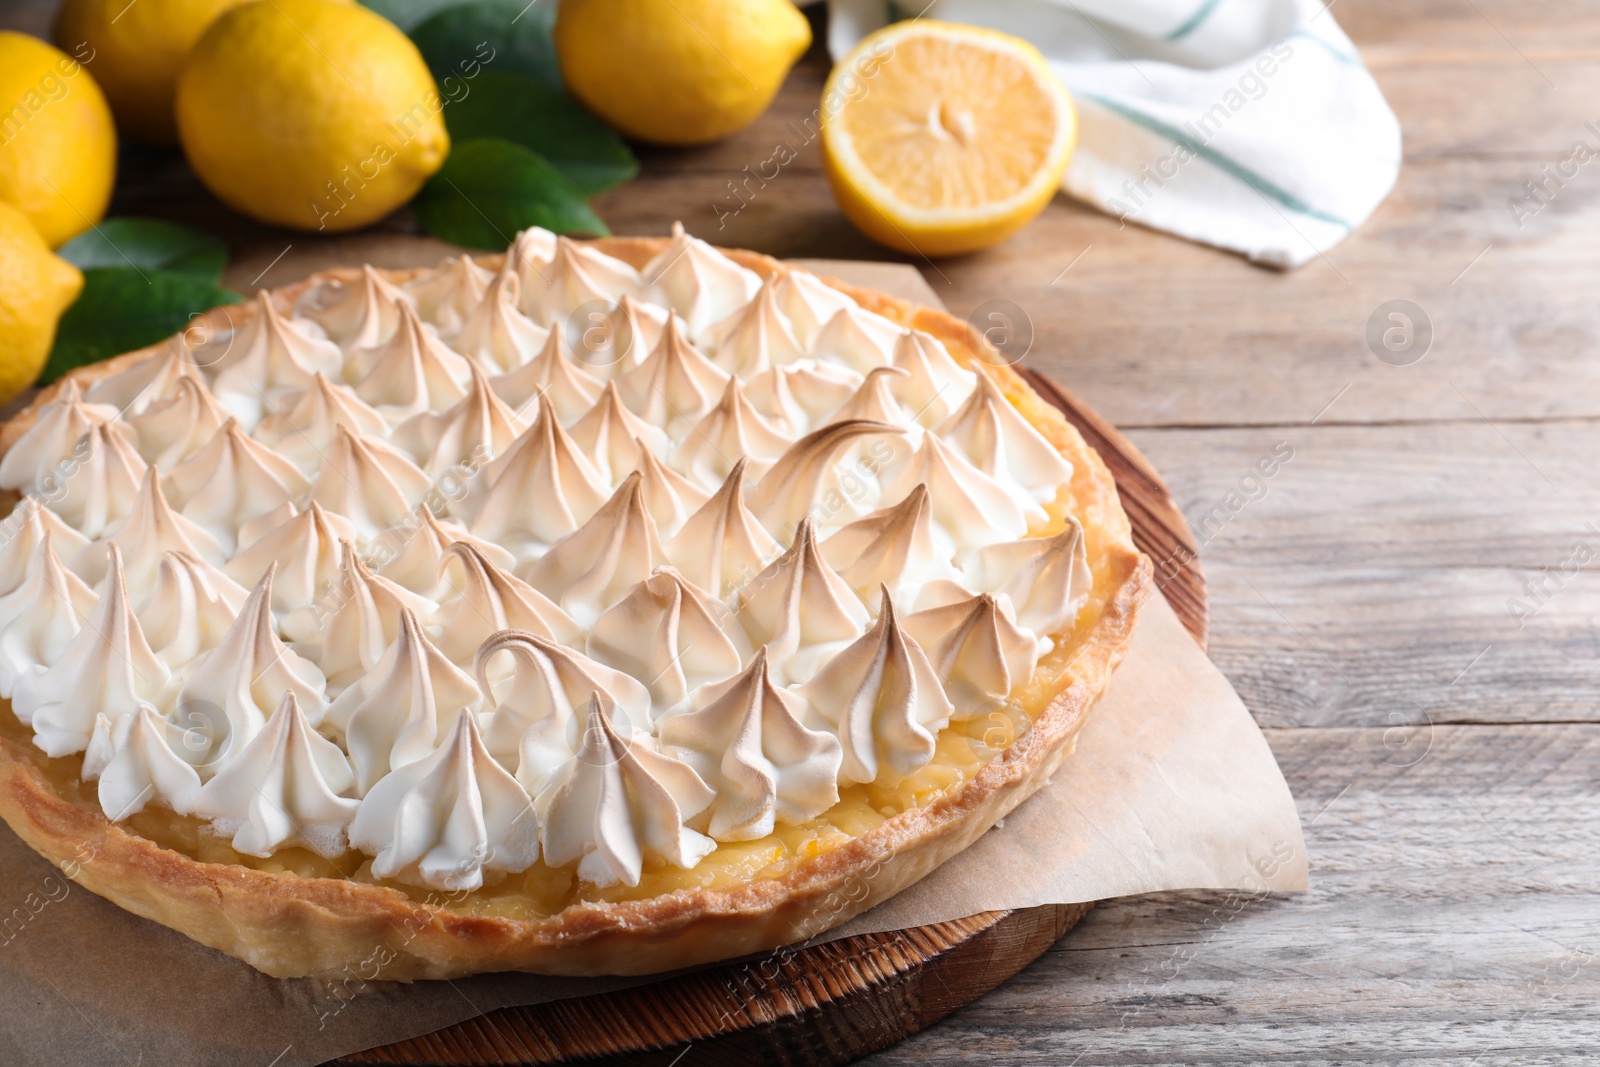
(437, 503)
(411, 372)
(800, 609)
(173, 428)
(671, 635)
(281, 790)
(106, 669)
(143, 382)
(614, 438)
(53, 438)
(39, 618)
(552, 374)
(723, 545)
(443, 820)
(883, 699)
(539, 696)
(305, 431)
(448, 294)
(747, 740)
(403, 708)
(265, 356)
(358, 313)
(700, 283)
(618, 802)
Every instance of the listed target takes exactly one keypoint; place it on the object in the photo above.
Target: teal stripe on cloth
(1264, 186)
(1194, 21)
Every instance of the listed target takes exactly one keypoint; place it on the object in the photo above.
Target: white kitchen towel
(1251, 125)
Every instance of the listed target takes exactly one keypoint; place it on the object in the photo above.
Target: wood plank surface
(1444, 758)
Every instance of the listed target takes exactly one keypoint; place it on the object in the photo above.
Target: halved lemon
(940, 138)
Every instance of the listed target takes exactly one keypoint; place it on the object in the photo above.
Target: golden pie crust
(290, 925)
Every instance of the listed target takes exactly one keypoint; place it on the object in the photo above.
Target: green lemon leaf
(546, 120)
(506, 36)
(149, 244)
(407, 13)
(490, 188)
(122, 308)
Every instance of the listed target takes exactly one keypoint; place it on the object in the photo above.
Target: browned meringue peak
(417, 556)
(370, 482)
(232, 689)
(40, 616)
(897, 546)
(802, 396)
(755, 337)
(800, 609)
(593, 567)
(935, 384)
(808, 303)
(722, 546)
(731, 431)
(675, 386)
(172, 429)
(827, 474)
(356, 620)
(858, 338)
(537, 689)
(106, 669)
(282, 790)
(265, 355)
(619, 802)
(358, 313)
(576, 276)
(1047, 579)
(536, 492)
(699, 282)
(978, 651)
(609, 343)
(496, 335)
(747, 741)
(670, 497)
(614, 438)
(1002, 443)
(531, 250)
(883, 699)
(101, 483)
(58, 426)
(189, 607)
(467, 435)
(20, 533)
(446, 295)
(493, 599)
(403, 707)
(552, 373)
(304, 427)
(143, 382)
(231, 481)
(413, 371)
(670, 634)
(875, 401)
(971, 507)
(150, 529)
(305, 551)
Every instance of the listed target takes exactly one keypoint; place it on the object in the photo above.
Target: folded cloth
(1251, 125)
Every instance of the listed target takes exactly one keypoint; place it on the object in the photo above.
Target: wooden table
(1444, 751)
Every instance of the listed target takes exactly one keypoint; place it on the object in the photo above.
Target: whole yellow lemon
(678, 71)
(310, 114)
(36, 286)
(137, 51)
(58, 148)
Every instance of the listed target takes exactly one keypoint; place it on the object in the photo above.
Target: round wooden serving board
(835, 1002)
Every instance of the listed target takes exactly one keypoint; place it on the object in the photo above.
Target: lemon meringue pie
(601, 607)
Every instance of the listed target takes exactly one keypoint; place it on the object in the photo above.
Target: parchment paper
(1172, 786)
